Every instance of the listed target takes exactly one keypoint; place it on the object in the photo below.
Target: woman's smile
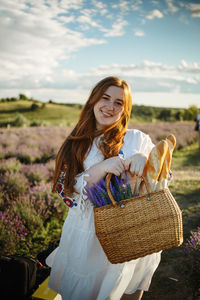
(106, 114)
(109, 108)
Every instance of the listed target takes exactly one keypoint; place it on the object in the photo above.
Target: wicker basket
(139, 226)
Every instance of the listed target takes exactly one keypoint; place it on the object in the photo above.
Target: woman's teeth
(106, 114)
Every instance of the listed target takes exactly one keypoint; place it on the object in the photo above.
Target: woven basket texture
(139, 228)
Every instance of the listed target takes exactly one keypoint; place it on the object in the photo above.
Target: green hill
(36, 113)
(30, 112)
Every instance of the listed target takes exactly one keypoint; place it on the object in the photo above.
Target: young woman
(99, 144)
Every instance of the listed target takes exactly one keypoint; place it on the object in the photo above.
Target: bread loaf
(157, 168)
(154, 164)
(164, 174)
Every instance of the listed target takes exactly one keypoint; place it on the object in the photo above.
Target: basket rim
(108, 206)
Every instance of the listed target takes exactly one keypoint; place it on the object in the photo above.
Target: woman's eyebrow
(107, 95)
(110, 97)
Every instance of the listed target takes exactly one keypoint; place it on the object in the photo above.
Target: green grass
(170, 279)
(187, 158)
(53, 114)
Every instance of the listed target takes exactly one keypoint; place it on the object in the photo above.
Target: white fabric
(80, 269)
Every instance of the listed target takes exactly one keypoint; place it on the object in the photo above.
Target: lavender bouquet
(119, 187)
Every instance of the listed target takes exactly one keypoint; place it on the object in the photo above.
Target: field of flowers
(183, 131)
(31, 215)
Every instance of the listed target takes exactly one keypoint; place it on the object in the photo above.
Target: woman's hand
(135, 164)
(114, 165)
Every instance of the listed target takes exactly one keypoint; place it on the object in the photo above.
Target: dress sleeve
(136, 141)
(79, 184)
(146, 145)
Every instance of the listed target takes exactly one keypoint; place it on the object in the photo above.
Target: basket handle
(108, 178)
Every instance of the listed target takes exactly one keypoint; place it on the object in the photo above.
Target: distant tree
(165, 114)
(23, 97)
(190, 113)
(179, 115)
(13, 99)
(34, 107)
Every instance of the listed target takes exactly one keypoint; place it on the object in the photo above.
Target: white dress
(80, 269)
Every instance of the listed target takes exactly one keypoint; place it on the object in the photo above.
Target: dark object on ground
(17, 276)
(41, 257)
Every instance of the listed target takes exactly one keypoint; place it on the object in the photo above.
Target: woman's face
(109, 108)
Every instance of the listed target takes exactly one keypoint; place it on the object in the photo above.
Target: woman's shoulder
(134, 134)
(137, 140)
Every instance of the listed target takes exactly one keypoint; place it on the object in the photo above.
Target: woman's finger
(134, 168)
(126, 163)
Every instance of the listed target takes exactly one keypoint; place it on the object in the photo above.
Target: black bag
(17, 276)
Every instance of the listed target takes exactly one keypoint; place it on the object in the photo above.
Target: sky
(59, 49)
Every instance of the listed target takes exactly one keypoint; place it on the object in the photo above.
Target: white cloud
(69, 4)
(126, 6)
(190, 67)
(166, 99)
(78, 95)
(195, 9)
(171, 6)
(33, 42)
(139, 32)
(123, 5)
(116, 30)
(66, 19)
(102, 7)
(37, 41)
(87, 20)
(184, 73)
(155, 14)
(136, 5)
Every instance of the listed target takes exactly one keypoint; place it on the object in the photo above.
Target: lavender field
(183, 131)
(31, 215)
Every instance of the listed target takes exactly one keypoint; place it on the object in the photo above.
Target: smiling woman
(80, 268)
(109, 108)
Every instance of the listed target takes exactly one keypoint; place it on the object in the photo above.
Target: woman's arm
(117, 165)
(114, 165)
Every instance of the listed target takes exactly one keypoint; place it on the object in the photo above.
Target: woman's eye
(119, 103)
(105, 98)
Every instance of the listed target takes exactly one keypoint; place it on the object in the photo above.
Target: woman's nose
(110, 105)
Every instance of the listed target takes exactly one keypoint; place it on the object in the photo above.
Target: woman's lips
(106, 114)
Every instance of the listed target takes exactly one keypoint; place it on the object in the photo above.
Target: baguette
(164, 174)
(154, 164)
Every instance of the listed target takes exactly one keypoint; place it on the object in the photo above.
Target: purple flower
(98, 195)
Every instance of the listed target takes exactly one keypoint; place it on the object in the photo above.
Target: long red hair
(73, 151)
